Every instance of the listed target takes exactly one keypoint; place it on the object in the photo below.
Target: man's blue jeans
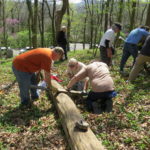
(25, 79)
(128, 50)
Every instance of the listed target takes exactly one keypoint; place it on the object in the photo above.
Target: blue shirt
(136, 35)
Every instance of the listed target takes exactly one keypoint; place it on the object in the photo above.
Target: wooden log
(69, 115)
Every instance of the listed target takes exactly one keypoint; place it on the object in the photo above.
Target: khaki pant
(140, 60)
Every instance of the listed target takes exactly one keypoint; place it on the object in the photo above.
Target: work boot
(109, 105)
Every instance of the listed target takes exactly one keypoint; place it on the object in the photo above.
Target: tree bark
(33, 16)
(68, 26)
(142, 15)
(119, 18)
(132, 16)
(106, 15)
(42, 22)
(111, 13)
(4, 25)
(148, 16)
(59, 14)
(34, 25)
(69, 115)
(52, 17)
(29, 29)
(84, 32)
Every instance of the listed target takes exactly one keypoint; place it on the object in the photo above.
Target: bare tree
(41, 17)
(148, 16)
(60, 13)
(52, 17)
(142, 15)
(132, 12)
(68, 24)
(33, 14)
(5, 36)
(106, 14)
(111, 12)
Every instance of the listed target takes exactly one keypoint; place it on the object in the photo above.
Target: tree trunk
(69, 115)
(142, 15)
(111, 13)
(30, 33)
(68, 26)
(84, 32)
(90, 11)
(59, 15)
(121, 8)
(132, 17)
(33, 17)
(106, 15)
(42, 25)
(102, 15)
(4, 25)
(119, 18)
(12, 17)
(34, 24)
(148, 16)
(52, 17)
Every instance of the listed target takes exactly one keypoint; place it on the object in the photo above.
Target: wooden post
(69, 115)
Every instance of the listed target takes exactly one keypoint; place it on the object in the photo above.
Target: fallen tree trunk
(69, 115)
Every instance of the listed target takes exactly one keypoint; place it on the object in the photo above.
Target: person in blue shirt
(130, 46)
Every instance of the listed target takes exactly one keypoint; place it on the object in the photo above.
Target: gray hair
(72, 61)
(59, 50)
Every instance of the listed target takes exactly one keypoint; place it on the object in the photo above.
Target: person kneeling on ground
(143, 57)
(101, 83)
(73, 68)
(25, 65)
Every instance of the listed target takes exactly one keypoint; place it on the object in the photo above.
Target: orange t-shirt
(34, 60)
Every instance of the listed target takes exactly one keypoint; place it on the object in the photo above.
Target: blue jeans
(128, 50)
(25, 79)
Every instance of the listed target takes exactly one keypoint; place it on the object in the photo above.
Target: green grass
(127, 127)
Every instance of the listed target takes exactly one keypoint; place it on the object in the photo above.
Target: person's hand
(67, 88)
(109, 52)
(84, 91)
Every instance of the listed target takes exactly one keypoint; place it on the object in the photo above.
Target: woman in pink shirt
(102, 85)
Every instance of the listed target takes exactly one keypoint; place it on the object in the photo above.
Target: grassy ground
(126, 128)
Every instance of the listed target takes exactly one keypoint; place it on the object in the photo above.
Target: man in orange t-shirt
(25, 65)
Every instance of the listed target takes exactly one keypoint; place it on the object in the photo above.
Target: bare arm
(86, 84)
(48, 79)
(79, 76)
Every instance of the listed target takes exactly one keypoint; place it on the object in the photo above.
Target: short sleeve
(109, 35)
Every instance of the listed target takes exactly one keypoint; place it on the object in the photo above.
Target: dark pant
(128, 50)
(24, 80)
(103, 56)
(65, 50)
(104, 98)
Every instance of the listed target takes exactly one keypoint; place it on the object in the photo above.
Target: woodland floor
(126, 128)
